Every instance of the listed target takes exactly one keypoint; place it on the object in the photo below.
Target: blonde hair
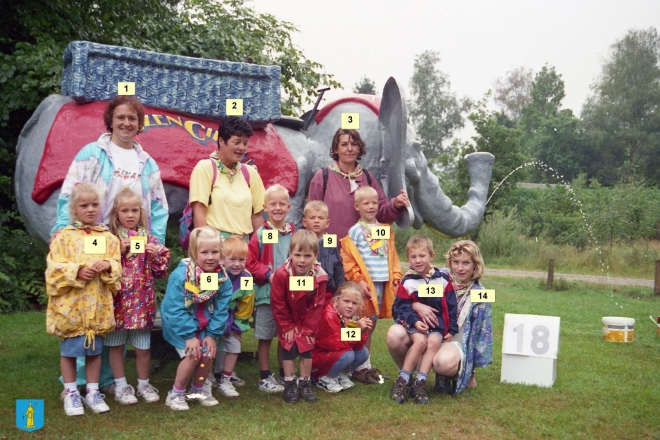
(345, 288)
(419, 241)
(304, 240)
(235, 246)
(471, 249)
(277, 188)
(126, 194)
(364, 191)
(78, 189)
(202, 235)
(315, 205)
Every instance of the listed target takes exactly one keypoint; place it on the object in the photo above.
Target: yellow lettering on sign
(189, 126)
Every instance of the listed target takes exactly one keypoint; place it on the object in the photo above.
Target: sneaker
(125, 395)
(236, 381)
(148, 393)
(329, 384)
(73, 405)
(399, 390)
(207, 392)
(363, 376)
(279, 379)
(270, 385)
(306, 392)
(418, 392)
(226, 388)
(94, 400)
(291, 392)
(345, 382)
(176, 401)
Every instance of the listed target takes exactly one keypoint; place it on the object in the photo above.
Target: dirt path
(572, 277)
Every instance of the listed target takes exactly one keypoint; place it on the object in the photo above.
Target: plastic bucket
(618, 329)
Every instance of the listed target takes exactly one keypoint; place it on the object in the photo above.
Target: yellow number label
(380, 232)
(482, 296)
(126, 88)
(350, 121)
(351, 334)
(301, 283)
(94, 245)
(330, 240)
(138, 244)
(209, 281)
(269, 236)
(234, 107)
(430, 291)
(247, 283)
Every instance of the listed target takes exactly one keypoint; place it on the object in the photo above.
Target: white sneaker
(207, 392)
(270, 385)
(236, 381)
(73, 405)
(329, 384)
(148, 393)
(126, 395)
(94, 400)
(226, 388)
(176, 401)
(344, 381)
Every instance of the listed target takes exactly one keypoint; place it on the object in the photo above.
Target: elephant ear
(393, 120)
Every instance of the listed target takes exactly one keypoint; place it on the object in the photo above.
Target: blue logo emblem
(29, 414)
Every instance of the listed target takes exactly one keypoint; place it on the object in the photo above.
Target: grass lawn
(603, 390)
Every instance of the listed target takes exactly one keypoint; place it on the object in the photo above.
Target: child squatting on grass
(80, 287)
(428, 285)
(373, 264)
(263, 259)
(297, 312)
(193, 318)
(334, 359)
(135, 303)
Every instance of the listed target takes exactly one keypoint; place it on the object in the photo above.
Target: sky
(478, 40)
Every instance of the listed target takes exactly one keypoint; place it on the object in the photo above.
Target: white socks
(121, 382)
(366, 364)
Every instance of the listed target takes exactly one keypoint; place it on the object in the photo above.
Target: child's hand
(420, 326)
(365, 323)
(448, 337)
(396, 283)
(193, 348)
(365, 290)
(401, 200)
(86, 273)
(288, 336)
(124, 245)
(151, 248)
(211, 347)
(310, 339)
(270, 278)
(101, 266)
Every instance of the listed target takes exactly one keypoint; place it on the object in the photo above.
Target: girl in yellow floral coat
(82, 275)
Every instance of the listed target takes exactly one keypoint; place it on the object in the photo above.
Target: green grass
(603, 390)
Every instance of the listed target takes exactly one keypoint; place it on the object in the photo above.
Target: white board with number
(529, 349)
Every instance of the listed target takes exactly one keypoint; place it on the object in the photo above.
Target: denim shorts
(75, 347)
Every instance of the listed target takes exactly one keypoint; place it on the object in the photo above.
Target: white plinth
(528, 370)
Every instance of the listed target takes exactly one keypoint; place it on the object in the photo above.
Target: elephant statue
(283, 151)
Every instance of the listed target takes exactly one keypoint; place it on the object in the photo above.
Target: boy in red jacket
(296, 299)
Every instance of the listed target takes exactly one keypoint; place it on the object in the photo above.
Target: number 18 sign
(529, 349)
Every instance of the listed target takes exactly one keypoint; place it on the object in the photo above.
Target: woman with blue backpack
(225, 193)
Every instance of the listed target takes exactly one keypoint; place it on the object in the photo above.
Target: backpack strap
(246, 173)
(325, 179)
(215, 177)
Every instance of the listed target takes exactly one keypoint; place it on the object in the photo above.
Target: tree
(621, 116)
(513, 92)
(435, 111)
(546, 95)
(365, 86)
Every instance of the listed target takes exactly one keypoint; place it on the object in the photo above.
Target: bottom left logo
(29, 414)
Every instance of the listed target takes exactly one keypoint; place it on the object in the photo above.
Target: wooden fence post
(551, 274)
(656, 285)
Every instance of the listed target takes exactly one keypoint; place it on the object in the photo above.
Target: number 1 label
(208, 281)
(126, 88)
(301, 283)
(351, 334)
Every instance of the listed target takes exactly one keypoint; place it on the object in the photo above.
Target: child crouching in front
(297, 305)
(333, 356)
(82, 275)
(428, 285)
(194, 314)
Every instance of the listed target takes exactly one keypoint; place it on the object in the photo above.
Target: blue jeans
(349, 361)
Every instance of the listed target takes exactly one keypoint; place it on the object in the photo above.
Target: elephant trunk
(437, 210)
